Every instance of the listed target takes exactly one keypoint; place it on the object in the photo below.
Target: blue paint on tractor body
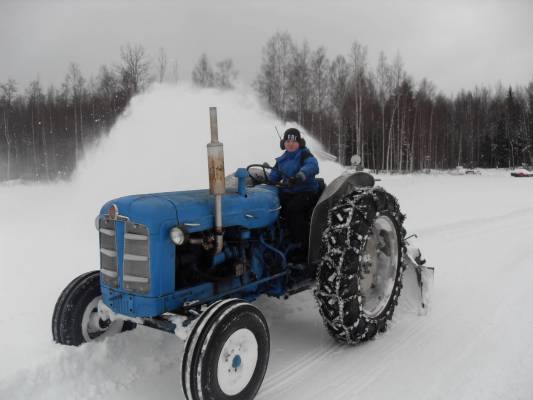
(254, 211)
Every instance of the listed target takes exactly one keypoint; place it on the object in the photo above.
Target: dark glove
(296, 179)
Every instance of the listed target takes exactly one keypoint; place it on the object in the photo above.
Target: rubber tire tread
(241, 316)
(192, 339)
(70, 306)
(338, 293)
(61, 303)
(207, 345)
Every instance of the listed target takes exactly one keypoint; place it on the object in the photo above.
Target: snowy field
(476, 342)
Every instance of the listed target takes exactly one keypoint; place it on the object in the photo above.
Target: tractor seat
(321, 186)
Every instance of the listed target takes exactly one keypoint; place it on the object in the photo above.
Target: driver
(296, 168)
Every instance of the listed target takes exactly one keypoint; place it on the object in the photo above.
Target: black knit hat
(292, 134)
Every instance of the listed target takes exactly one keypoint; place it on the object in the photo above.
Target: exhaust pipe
(217, 181)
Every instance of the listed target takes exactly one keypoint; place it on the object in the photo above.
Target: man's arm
(274, 175)
(310, 167)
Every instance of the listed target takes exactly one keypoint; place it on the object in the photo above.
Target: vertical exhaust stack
(217, 181)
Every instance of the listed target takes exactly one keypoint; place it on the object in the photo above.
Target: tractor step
(301, 277)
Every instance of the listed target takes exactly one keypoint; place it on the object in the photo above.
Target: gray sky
(456, 44)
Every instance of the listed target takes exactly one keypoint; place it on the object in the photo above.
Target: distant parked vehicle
(522, 172)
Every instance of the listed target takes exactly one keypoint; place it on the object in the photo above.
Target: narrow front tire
(226, 354)
(76, 319)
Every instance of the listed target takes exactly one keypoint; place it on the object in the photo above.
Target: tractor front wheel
(226, 354)
(76, 319)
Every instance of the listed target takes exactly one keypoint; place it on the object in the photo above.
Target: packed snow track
(476, 230)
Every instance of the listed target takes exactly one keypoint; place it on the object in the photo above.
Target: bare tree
(134, 70)
(358, 57)
(319, 68)
(426, 99)
(339, 74)
(384, 89)
(273, 80)
(225, 74)
(300, 81)
(175, 71)
(162, 64)
(51, 96)
(108, 88)
(8, 92)
(77, 88)
(35, 96)
(397, 76)
(202, 74)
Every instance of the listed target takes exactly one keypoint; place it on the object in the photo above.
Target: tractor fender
(331, 195)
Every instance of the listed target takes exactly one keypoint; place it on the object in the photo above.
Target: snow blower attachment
(191, 262)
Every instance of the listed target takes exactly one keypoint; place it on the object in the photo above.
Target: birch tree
(319, 68)
(76, 83)
(273, 80)
(134, 70)
(8, 93)
(300, 81)
(162, 64)
(383, 83)
(338, 86)
(358, 57)
(35, 96)
(202, 74)
(225, 74)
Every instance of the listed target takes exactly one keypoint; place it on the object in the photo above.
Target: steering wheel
(265, 166)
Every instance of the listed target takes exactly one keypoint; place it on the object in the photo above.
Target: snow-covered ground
(476, 342)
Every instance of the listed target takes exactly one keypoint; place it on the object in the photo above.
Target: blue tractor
(191, 263)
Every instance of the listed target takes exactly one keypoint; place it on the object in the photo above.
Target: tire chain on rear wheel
(338, 291)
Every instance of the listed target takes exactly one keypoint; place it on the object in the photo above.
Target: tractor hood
(195, 209)
(152, 210)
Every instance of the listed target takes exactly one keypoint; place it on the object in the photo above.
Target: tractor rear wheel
(226, 354)
(76, 319)
(359, 277)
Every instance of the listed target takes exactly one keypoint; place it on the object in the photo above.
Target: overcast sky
(456, 44)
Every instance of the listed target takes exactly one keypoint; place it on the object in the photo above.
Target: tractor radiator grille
(108, 252)
(136, 266)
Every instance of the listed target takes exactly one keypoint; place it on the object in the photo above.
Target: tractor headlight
(178, 235)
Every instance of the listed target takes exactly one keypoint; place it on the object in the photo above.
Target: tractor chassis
(182, 319)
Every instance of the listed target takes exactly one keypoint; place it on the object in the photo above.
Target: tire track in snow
(392, 342)
(415, 330)
(448, 312)
(280, 384)
(298, 368)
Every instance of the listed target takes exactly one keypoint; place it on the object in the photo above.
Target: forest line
(392, 121)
